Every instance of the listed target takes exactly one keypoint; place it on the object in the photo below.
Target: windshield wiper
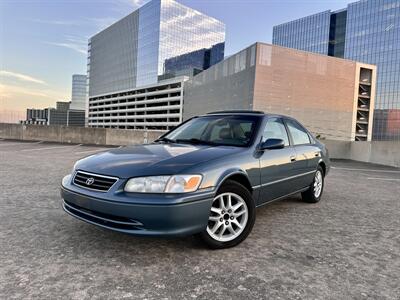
(165, 139)
(195, 141)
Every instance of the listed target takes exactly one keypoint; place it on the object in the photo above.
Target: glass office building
(79, 92)
(366, 31)
(308, 34)
(138, 49)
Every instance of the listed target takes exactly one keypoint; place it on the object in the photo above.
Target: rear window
(298, 133)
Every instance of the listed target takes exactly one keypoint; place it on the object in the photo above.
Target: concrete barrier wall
(338, 149)
(378, 152)
(82, 135)
(76, 135)
(385, 153)
(12, 131)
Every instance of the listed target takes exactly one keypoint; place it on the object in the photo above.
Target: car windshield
(221, 130)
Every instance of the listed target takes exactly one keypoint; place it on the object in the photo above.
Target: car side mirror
(271, 144)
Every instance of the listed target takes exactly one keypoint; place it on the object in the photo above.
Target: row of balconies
(147, 128)
(136, 109)
(137, 117)
(141, 102)
(132, 123)
(363, 105)
(135, 94)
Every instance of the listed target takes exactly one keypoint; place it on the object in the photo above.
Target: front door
(276, 166)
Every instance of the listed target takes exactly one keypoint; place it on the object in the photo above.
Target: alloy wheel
(318, 181)
(228, 217)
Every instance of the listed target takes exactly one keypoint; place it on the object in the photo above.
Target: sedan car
(205, 177)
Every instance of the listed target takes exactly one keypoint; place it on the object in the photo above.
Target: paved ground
(345, 247)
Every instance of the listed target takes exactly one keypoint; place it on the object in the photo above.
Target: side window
(275, 129)
(299, 135)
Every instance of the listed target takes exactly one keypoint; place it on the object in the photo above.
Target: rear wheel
(314, 193)
(231, 218)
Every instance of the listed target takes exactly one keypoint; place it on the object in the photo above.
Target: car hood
(152, 159)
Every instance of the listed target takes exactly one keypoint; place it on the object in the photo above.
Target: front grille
(94, 181)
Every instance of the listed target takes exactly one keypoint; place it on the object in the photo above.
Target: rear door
(276, 166)
(307, 154)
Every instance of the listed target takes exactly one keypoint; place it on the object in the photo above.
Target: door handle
(293, 158)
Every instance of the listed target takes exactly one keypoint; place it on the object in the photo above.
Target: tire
(234, 220)
(314, 193)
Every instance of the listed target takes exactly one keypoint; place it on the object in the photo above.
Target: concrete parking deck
(345, 247)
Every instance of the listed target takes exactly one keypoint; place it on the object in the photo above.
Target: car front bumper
(179, 215)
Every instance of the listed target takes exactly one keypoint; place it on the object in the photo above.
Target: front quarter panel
(215, 172)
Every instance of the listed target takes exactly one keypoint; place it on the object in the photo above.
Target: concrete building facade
(367, 31)
(332, 97)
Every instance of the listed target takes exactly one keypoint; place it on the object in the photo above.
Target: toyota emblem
(89, 181)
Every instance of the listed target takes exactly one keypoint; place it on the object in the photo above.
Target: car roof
(234, 111)
(246, 112)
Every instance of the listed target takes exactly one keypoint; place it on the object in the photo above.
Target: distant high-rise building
(366, 31)
(39, 115)
(61, 115)
(79, 92)
(133, 51)
(63, 106)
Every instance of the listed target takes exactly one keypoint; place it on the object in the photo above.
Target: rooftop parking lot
(347, 246)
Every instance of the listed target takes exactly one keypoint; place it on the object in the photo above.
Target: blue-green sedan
(206, 177)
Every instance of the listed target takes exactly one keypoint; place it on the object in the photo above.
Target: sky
(44, 42)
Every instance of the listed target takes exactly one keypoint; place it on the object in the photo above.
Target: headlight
(183, 183)
(164, 184)
(153, 184)
(74, 167)
(66, 180)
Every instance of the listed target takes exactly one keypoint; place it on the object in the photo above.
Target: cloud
(101, 23)
(20, 76)
(57, 22)
(15, 99)
(134, 3)
(138, 3)
(76, 46)
(83, 40)
(8, 91)
(189, 21)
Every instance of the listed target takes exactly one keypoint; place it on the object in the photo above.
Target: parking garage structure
(152, 107)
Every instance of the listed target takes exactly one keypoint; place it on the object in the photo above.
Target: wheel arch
(323, 166)
(239, 176)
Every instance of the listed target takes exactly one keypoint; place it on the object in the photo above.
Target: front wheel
(314, 193)
(231, 218)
